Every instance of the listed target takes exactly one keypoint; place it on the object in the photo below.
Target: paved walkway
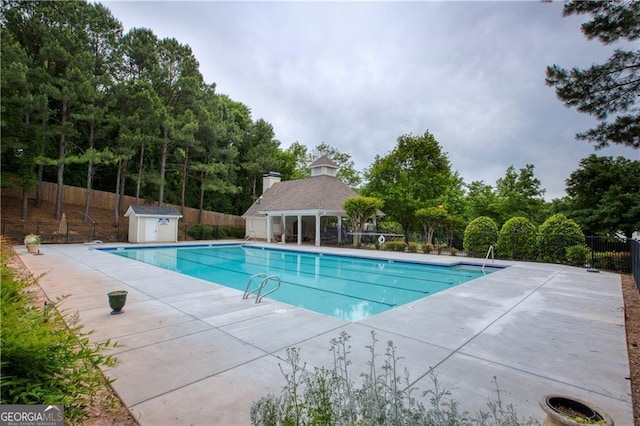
(194, 353)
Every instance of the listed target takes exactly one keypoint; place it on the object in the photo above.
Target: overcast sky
(358, 75)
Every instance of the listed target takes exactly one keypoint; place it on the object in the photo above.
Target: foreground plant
(46, 357)
(383, 397)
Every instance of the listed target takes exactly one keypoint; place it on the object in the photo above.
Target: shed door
(150, 229)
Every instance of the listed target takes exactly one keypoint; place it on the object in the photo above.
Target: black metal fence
(635, 261)
(606, 253)
(51, 232)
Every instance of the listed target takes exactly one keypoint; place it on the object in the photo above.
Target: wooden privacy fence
(78, 230)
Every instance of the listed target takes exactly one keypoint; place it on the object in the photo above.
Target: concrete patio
(195, 353)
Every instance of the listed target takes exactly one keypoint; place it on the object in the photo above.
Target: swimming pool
(346, 287)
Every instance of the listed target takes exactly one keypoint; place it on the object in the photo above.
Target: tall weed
(383, 395)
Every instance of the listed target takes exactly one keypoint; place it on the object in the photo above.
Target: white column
(339, 229)
(268, 228)
(299, 229)
(318, 229)
(283, 227)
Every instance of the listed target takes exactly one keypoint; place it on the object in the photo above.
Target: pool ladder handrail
(263, 283)
(490, 251)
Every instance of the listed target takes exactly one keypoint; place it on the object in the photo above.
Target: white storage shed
(153, 224)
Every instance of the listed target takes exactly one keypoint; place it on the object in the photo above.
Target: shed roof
(315, 193)
(153, 211)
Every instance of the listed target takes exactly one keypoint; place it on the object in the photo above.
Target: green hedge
(481, 233)
(578, 255)
(395, 246)
(555, 235)
(200, 231)
(613, 261)
(517, 239)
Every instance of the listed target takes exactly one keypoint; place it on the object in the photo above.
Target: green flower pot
(117, 299)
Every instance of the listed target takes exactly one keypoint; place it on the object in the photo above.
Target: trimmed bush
(413, 247)
(427, 248)
(517, 239)
(481, 233)
(200, 231)
(613, 261)
(395, 246)
(555, 235)
(218, 233)
(578, 255)
(237, 233)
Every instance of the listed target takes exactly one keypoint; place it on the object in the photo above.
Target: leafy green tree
(517, 239)
(609, 89)
(215, 164)
(555, 235)
(431, 218)
(479, 235)
(178, 82)
(294, 162)
(604, 195)
(519, 194)
(346, 170)
(481, 200)
(453, 198)
(103, 38)
(416, 173)
(359, 210)
(67, 46)
(19, 146)
(139, 110)
(260, 153)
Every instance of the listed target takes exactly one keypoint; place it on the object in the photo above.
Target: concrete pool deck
(195, 353)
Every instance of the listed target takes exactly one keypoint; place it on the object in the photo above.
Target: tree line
(86, 104)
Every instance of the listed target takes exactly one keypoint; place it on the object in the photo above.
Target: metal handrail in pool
(263, 283)
(246, 290)
(258, 289)
(490, 251)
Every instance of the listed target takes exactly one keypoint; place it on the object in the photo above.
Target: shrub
(236, 232)
(517, 239)
(389, 227)
(613, 261)
(481, 233)
(578, 255)
(555, 235)
(46, 357)
(413, 247)
(453, 251)
(395, 245)
(218, 233)
(200, 231)
(427, 248)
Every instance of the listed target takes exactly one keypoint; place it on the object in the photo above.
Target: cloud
(359, 75)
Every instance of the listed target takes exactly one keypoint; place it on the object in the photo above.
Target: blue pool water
(351, 288)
